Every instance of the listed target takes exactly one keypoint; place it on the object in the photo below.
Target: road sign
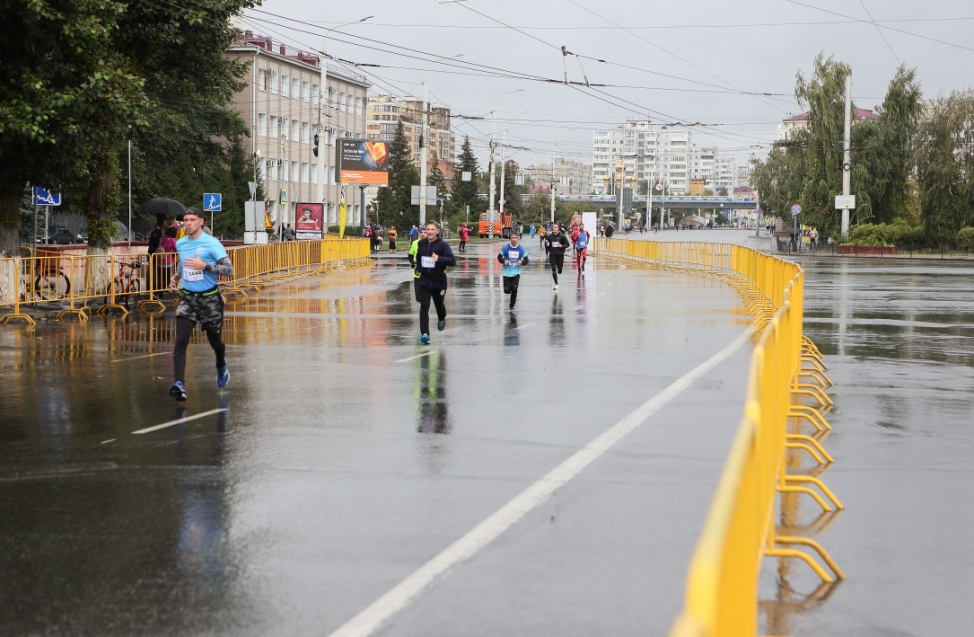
(430, 195)
(253, 189)
(843, 202)
(44, 197)
(796, 210)
(212, 202)
(659, 186)
(466, 175)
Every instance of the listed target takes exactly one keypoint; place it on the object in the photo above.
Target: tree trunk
(10, 194)
(101, 222)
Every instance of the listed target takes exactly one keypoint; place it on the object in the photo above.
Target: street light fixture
(423, 153)
(322, 96)
(492, 213)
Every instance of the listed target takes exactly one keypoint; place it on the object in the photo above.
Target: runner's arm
(223, 267)
(446, 256)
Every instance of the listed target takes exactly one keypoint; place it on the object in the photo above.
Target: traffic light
(315, 150)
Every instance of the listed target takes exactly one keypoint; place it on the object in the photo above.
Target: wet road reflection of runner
(433, 415)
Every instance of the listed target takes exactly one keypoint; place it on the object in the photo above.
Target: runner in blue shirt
(513, 256)
(202, 259)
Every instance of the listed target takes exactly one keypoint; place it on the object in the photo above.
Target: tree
(945, 172)
(435, 178)
(465, 192)
(394, 201)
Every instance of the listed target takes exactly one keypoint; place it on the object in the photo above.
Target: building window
(262, 124)
(341, 101)
(306, 91)
(294, 171)
(285, 86)
(275, 126)
(358, 105)
(262, 79)
(283, 133)
(296, 88)
(305, 175)
(305, 132)
(295, 131)
(314, 173)
(315, 94)
(271, 169)
(274, 81)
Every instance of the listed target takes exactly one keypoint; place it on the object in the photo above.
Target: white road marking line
(135, 358)
(412, 358)
(367, 621)
(524, 326)
(181, 420)
(105, 442)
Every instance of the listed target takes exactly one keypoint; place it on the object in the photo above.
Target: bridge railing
(722, 581)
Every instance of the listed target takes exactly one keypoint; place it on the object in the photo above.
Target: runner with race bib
(512, 257)
(433, 255)
(582, 239)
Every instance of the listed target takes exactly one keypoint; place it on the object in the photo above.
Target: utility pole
(322, 156)
(130, 192)
(423, 157)
(503, 173)
(846, 154)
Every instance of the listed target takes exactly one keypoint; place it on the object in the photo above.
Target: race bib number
(192, 275)
(581, 243)
(427, 262)
(513, 255)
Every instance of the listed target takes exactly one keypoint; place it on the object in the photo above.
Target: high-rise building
(652, 155)
(385, 113)
(577, 175)
(281, 104)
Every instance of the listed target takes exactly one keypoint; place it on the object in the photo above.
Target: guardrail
(112, 281)
(722, 582)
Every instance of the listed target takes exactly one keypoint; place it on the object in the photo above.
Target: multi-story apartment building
(283, 107)
(703, 163)
(647, 154)
(385, 113)
(577, 174)
(725, 173)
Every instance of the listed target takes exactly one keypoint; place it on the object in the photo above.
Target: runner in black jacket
(433, 255)
(556, 242)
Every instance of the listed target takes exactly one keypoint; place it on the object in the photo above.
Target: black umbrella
(162, 206)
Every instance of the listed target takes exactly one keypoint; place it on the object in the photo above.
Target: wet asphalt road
(342, 458)
(899, 339)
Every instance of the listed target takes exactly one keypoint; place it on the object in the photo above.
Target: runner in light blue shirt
(512, 256)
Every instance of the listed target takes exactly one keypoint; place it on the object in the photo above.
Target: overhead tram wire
(467, 63)
(880, 25)
(668, 52)
(880, 31)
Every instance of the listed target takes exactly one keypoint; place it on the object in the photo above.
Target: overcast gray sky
(669, 62)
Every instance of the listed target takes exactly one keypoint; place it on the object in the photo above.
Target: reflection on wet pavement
(899, 340)
(343, 454)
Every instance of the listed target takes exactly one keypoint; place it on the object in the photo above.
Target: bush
(965, 238)
(912, 239)
(869, 234)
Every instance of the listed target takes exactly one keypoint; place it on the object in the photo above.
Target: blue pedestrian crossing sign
(212, 202)
(43, 197)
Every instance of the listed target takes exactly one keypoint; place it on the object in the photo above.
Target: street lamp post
(554, 152)
(423, 160)
(491, 212)
(322, 97)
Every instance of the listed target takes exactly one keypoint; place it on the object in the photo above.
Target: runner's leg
(184, 330)
(424, 295)
(515, 280)
(215, 337)
(438, 300)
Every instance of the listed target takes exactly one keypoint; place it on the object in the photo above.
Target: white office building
(647, 154)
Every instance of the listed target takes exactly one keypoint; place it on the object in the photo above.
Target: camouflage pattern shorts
(205, 310)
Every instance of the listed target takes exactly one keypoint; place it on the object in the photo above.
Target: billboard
(363, 162)
(309, 223)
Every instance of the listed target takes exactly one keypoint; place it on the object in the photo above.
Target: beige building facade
(284, 107)
(385, 113)
(577, 175)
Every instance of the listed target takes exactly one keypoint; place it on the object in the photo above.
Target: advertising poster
(309, 223)
(363, 162)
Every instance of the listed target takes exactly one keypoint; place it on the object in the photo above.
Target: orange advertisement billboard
(363, 162)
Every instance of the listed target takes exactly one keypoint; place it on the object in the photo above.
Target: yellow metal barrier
(113, 280)
(722, 582)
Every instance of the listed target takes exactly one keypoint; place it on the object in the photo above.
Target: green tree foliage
(945, 171)
(806, 169)
(465, 192)
(394, 201)
(512, 192)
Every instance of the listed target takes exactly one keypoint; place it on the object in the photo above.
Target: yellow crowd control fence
(76, 283)
(722, 581)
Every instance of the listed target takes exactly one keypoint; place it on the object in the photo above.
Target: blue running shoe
(222, 376)
(178, 391)
(425, 339)
(440, 325)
